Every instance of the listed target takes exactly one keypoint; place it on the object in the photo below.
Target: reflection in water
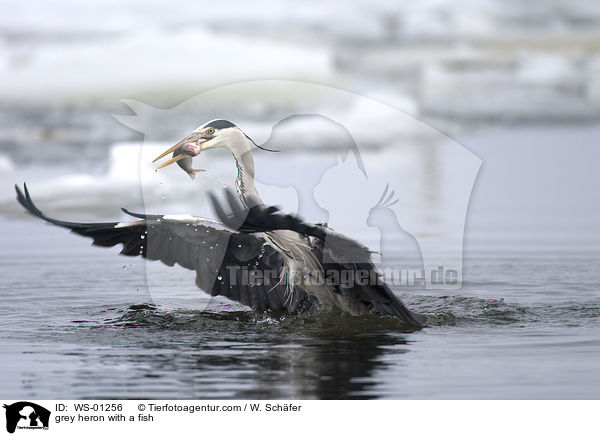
(237, 355)
(344, 368)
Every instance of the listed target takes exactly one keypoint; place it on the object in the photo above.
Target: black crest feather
(224, 124)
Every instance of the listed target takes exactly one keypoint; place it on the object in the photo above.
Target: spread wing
(220, 257)
(335, 252)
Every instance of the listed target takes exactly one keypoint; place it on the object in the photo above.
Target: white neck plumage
(244, 183)
(241, 148)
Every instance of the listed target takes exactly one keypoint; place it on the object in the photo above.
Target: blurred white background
(463, 67)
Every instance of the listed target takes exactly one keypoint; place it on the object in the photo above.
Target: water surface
(78, 322)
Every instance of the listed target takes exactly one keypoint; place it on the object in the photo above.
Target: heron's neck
(244, 183)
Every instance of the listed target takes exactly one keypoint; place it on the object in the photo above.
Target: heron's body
(295, 249)
(263, 240)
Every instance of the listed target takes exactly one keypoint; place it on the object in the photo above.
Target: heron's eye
(210, 131)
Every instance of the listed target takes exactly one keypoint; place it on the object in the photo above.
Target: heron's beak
(191, 145)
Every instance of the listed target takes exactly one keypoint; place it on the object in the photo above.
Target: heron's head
(213, 134)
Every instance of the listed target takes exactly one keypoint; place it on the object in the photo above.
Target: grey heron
(251, 238)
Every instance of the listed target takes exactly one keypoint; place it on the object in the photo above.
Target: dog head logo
(26, 415)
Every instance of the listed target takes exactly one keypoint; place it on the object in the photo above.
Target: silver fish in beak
(185, 163)
(183, 152)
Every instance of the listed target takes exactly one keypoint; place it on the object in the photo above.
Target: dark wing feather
(334, 251)
(188, 243)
